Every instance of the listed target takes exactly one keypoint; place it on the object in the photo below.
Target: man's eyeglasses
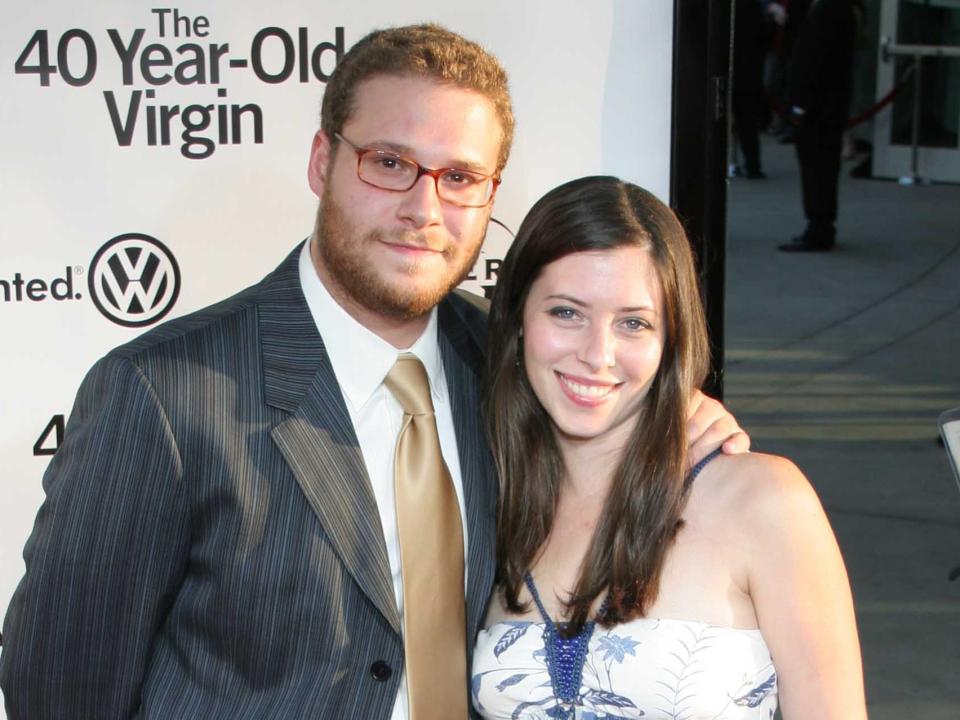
(389, 171)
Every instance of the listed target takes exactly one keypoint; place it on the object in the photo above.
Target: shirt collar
(360, 358)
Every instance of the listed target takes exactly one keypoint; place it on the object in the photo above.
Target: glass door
(919, 23)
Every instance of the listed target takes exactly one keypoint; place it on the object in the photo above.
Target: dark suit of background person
(210, 540)
(750, 39)
(821, 83)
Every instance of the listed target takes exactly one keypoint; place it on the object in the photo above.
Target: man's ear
(320, 158)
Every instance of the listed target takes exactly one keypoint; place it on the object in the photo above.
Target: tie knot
(408, 382)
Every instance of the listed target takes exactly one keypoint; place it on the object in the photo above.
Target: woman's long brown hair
(642, 512)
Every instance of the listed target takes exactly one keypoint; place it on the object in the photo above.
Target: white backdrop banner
(170, 144)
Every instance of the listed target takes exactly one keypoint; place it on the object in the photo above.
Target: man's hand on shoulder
(709, 426)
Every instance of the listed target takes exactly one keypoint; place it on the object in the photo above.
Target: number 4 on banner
(43, 68)
(54, 428)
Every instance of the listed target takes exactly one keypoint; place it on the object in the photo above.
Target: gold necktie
(431, 555)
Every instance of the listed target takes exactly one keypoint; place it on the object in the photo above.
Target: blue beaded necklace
(566, 656)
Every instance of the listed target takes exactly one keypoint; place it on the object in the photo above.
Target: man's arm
(710, 426)
(104, 560)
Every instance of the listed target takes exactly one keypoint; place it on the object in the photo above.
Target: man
(821, 83)
(222, 532)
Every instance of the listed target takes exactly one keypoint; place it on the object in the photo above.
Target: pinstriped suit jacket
(210, 546)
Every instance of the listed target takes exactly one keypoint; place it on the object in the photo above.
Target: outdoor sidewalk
(842, 361)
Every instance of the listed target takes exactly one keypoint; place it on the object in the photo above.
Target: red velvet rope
(882, 102)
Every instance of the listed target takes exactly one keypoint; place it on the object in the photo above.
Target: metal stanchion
(913, 178)
(918, 52)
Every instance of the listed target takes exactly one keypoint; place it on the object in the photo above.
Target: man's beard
(342, 252)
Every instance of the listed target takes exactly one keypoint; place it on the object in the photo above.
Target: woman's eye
(635, 324)
(563, 313)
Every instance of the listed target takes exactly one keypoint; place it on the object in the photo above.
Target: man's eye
(385, 162)
(458, 177)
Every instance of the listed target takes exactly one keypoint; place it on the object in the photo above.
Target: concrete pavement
(842, 361)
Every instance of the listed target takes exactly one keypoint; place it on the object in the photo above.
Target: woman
(626, 589)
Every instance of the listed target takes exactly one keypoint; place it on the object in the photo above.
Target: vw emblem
(134, 280)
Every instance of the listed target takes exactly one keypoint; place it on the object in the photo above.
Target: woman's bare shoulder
(755, 489)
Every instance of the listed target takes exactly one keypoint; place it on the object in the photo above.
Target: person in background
(775, 65)
(751, 36)
(630, 584)
(821, 84)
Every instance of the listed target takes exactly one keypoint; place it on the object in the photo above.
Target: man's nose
(421, 203)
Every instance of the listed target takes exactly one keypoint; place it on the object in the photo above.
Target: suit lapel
(463, 363)
(317, 439)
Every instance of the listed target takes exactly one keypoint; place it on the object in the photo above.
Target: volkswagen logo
(134, 280)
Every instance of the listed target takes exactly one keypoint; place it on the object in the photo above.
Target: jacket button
(380, 671)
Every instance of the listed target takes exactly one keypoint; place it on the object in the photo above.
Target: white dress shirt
(361, 360)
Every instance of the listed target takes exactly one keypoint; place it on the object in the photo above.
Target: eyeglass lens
(392, 172)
